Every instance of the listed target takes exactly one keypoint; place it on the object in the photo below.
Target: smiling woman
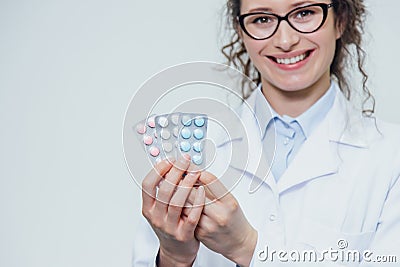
(333, 180)
(273, 57)
(349, 16)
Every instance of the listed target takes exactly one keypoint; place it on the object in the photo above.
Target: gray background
(67, 72)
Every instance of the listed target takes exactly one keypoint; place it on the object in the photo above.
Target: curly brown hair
(349, 15)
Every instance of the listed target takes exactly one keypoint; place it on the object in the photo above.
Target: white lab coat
(343, 184)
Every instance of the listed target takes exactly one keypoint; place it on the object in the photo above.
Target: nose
(285, 37)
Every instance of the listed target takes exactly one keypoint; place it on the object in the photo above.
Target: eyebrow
(294, 5)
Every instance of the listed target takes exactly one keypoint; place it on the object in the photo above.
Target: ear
(340, 27)
(238, 29)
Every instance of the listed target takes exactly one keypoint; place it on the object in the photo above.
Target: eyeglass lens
(263, 25)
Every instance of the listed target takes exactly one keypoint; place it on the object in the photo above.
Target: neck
(294, 103)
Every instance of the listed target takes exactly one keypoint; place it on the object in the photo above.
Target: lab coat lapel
(318, 157)
(315, 158)
(255, 167)
(252, 160)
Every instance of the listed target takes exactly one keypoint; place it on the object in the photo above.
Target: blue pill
(198, 134)
(197, 159)
(199, 122)
(185, 146)
(198, 147)
(186, 133)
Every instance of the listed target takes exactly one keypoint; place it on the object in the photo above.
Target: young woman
(334, 182)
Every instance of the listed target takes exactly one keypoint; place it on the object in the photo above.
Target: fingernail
(192, 173)
(197, 184)
(201, 190)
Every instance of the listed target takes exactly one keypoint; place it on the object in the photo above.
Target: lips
(290, 59)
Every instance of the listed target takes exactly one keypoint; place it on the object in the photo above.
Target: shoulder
(386, 135)
(389, 138)
(390, 131)
(371, 131)
(371, 142)
(386, 146)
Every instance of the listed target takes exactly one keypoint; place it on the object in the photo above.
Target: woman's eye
(262, 20)
(304, 14)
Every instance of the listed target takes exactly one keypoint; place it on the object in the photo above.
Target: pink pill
(141, 129)
(154, 151)
(148, 140)
(151, 122)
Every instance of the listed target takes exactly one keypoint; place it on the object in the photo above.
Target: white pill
(163, 122)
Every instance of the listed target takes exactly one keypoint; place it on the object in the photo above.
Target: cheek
(252, 46)
(327, 38)
(330, 48)
(253, 49)
(326, 42)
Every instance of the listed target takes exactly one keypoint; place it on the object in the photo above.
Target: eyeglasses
(306, 19)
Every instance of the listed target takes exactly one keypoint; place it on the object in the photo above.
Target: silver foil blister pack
(173, 135)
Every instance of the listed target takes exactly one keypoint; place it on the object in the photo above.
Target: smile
(292, 60)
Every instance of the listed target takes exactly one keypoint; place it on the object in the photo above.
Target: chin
(290, 85)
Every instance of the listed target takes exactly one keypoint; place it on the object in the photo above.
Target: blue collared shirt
(291, 133)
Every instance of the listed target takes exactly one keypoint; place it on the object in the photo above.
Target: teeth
(292, 60)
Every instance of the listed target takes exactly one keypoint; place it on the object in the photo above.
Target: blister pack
(146, 132)
(172, 135)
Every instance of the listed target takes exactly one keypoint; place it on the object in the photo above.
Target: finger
(195, 213)
(214, 186)
(209, 196)
(150, 182)
(186, 210)
(187, 207)
(210, 209)
(191, 197)
(167, 188)
(205, 227)
(180, 196)
(213, 209)
(188, 204)
(205, 221)
(216, 211)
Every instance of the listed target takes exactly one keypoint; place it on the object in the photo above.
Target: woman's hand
(223, 227)
(178, 246)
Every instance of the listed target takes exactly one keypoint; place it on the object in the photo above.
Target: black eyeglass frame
(324, 7)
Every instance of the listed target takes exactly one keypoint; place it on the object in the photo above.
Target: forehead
(275, 6)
